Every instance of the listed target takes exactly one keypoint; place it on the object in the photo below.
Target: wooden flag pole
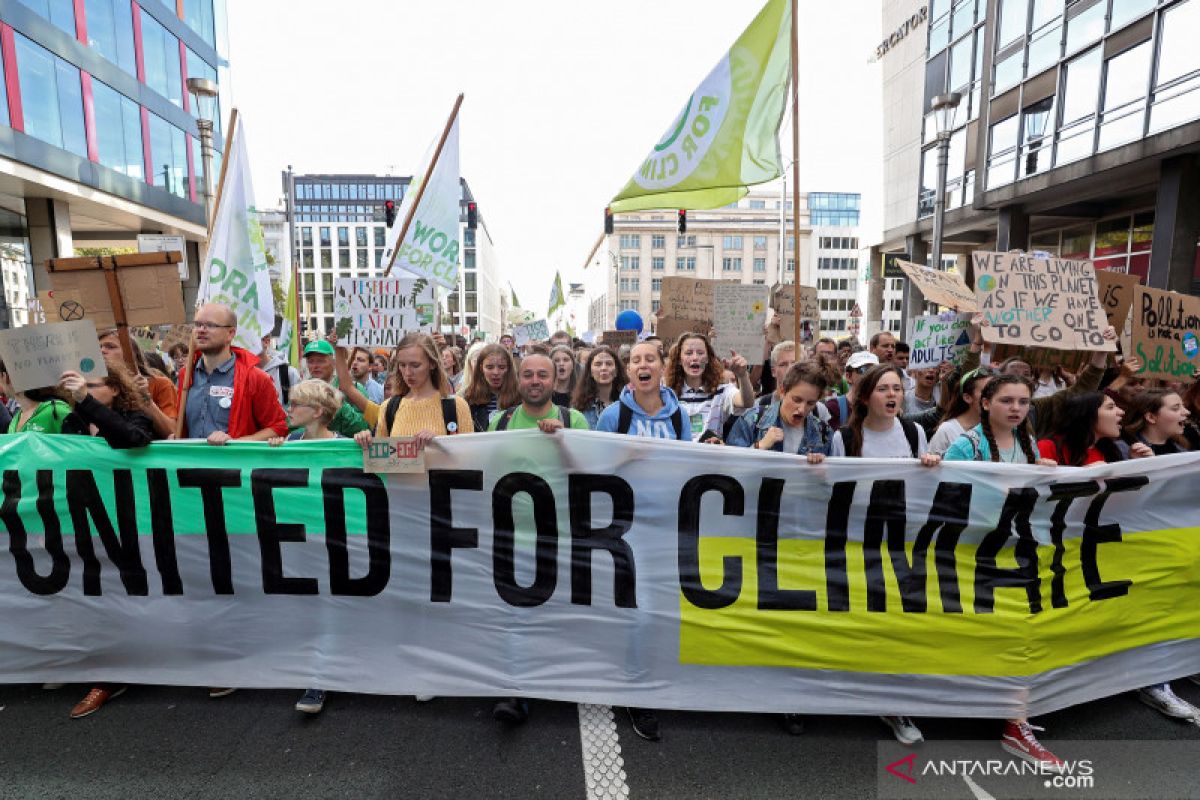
(796, 307)
(412, 209)
(190, 366)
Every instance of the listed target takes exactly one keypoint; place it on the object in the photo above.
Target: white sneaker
(904, 730)
(423, 698)
(1165, 701)
(50, 687)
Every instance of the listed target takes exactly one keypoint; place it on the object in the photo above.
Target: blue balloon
(629, 320)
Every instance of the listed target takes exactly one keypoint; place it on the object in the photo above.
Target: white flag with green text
(235, 267)
(430, 248)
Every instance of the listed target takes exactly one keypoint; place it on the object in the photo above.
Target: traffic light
(389, 212)
(472, 216)
(608, 221)
(682, 221)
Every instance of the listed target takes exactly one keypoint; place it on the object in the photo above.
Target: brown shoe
(98, 696)
(219, 691)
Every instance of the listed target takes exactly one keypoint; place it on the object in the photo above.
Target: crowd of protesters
(815, 400)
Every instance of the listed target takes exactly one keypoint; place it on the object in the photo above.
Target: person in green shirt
(537, 409)
(319, 359)
(39, 410)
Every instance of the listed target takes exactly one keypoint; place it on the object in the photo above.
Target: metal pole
(939, 205)
(206, 155)
(294, 248)
(795, 178)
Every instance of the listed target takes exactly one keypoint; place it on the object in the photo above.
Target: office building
(740, 242)
(98, 136)
(341, 232)
(1078, 131)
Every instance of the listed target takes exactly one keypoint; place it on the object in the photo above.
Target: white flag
(235, 268)
(430, 248)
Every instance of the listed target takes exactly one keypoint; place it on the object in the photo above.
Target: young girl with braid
(1003, 435)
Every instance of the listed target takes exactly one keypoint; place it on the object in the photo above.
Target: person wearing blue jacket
(646, 407)
(788, 424)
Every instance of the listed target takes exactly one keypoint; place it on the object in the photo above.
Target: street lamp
(205, 92)
(943, 107)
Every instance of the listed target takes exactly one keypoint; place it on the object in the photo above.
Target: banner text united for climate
(595, 568)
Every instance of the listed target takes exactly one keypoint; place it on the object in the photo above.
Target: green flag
(515, 302)
(557, 298)
(727, 136)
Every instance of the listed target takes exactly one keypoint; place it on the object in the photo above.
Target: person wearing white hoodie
(646, 407)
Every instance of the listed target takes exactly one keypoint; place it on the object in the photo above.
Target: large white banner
(596, 568)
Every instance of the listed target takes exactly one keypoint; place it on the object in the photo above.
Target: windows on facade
(732, 242)
(1081, 87)
(110, 31)
(631, 263)
(729, 264)
(658, 241)
(760, 265)
(51, 97)
(1177, 79)
(1037, 126)
(1123, 107)
(630, 241)
(657, 263)
(685, 264)
(61, 13)
(160, 57)
(656, 284)
(1002, 152)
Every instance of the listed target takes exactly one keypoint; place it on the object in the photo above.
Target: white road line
(603, 767)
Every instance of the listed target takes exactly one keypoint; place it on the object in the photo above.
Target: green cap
(320, 346)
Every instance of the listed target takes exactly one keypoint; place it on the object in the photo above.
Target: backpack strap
(624, 418)
(976, 446)
(389, 413)
(564, 416)
(843, 411)
(848, 438)
(285, 382)
(450, 415)
(910, 433)
(505, 417)
(677, 423)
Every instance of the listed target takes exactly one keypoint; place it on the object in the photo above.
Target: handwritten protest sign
(36, 356)
(618, 338)
(377, 312)
(1116, 295)
(1166, 333)
(740, 314)
(1040, 302)
(149, 289)
(935, 338)
(943, 288)
(783, 302)
(537, 331)
(686, 304)
(394, 455)
(669, 329)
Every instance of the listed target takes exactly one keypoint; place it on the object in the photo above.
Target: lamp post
(943, 107)
(206, 100)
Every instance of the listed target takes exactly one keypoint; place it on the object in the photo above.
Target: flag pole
(190, 366)
(412, 209)
(795, 178)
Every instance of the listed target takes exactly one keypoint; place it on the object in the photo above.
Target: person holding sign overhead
(230, 397)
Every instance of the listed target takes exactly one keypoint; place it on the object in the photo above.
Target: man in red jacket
(230, 397)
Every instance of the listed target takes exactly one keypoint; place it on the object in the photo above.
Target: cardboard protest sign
(175, 334)
(377, 312)
(935, 338)
(618, 338)
(783, 302)
(669, 329)
(686, 304)
(36, 356)
(1116, 295)
(149, 287)
(537, 331)
(943, 288)
(739, 318)
(394, 455)
(1166, 333)
(1040, 302)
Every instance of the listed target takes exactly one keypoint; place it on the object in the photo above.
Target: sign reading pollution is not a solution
(377, 312)
(1166, 333)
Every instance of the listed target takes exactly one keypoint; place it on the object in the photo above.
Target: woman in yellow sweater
(423, 405)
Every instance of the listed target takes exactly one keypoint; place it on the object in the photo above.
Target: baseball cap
(859, 360)
(320, 346)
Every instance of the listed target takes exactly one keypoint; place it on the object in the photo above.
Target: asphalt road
(166, 742)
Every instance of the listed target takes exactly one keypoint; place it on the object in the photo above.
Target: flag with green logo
(727, 136)
(289, 341)
(557, 298)
(235, 267)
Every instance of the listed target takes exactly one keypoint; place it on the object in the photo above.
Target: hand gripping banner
(593, 568)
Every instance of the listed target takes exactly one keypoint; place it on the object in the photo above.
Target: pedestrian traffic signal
(389, 212)
(472, 216)
(608, 221)
(682, 221)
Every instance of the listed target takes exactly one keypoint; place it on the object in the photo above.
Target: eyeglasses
(209, 325)
(294, 404)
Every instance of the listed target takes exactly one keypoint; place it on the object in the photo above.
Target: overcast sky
(563, 99)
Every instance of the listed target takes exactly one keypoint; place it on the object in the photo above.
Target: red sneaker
(1019, 740)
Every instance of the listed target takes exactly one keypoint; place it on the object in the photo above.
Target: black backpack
(449, 414)
(625, 420)
(285, 382)
(564, 415)
(910, 433)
